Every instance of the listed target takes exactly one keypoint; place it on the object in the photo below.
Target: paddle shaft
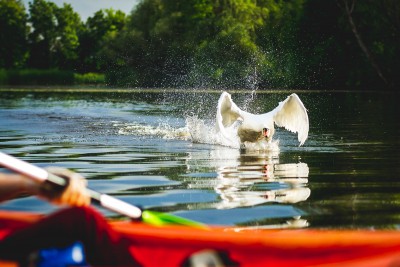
(41, 175)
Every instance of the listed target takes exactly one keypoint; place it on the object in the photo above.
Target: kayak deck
(260, 248)
(175, 245)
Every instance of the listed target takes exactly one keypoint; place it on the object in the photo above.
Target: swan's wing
(292, 115)
(227, 112)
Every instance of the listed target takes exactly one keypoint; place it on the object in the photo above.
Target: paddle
(106, 201)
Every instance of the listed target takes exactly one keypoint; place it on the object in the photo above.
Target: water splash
(163, 130)
(196, 130)
(202, 131)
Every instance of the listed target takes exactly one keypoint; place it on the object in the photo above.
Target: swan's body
(290, 114)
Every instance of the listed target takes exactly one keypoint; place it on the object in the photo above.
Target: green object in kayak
(160, 219)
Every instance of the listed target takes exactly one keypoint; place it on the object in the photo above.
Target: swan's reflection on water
(260, 178)
(252, 178)
(295, 223)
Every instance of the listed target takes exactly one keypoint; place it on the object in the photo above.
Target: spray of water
(199, 109)
(196, 130)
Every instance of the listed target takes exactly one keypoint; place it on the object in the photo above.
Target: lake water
(158, 150)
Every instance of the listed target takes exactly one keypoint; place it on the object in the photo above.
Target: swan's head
(255, 134)
(266, 132)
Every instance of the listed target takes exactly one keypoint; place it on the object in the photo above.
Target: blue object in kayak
(61, 257)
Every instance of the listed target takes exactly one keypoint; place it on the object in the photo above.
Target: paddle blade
(160, 219)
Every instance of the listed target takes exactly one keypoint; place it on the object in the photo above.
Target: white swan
(290, 114)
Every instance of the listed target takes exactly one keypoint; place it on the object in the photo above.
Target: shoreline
(101, 89)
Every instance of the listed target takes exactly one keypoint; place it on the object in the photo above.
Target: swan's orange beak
(265, 132)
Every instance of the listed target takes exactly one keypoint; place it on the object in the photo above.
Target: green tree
(53, 39)
(196, 43)
(265, 43)
(375, 26)
(229, 57)
(43, 33)
(278, 40)
(348, 44)
(66, 42)
(13, 48)
(103, 25)
(137, 55)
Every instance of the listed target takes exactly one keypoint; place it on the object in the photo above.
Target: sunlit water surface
(160, 151)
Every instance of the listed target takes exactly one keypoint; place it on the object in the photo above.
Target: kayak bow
(175, 245)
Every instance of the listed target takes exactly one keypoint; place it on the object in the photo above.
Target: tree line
(301, 44)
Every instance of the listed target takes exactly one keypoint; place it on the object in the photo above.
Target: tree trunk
(364, 48)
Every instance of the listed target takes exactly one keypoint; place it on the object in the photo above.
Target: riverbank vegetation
(301, 44)
(49, 77)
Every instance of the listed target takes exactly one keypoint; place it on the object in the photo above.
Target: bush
(39, 77)
(48, 77)
(3, 77)
(89, 78)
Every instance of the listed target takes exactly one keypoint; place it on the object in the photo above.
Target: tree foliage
(344, 44)
(13, 30)
(97, 30)
(53, 38)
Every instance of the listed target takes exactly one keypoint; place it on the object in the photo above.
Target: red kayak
(180, 245)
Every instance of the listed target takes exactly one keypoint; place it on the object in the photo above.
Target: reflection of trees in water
(295, 222)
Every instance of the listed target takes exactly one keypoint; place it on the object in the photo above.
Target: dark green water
(136, 146)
